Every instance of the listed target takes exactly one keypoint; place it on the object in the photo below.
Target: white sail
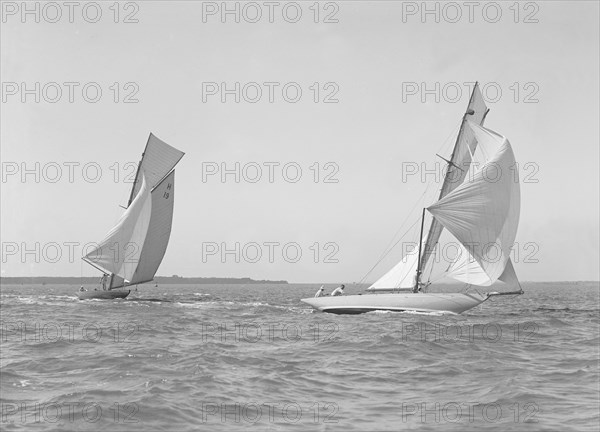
(159, 230)
(466, 269)
(133, 250)
(116, 281)
(158, 159)
(509, 277)
(479, 209)
(120, 251)
(402, 275)
(483, 212)
(458, 169)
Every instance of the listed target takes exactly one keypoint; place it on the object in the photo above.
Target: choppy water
(222, 358)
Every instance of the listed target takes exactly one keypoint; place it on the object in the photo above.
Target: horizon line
(280, 280)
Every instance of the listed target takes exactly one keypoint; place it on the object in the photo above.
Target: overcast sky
(375, 61)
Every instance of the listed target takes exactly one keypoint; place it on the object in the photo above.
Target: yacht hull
(103, 295)
(454, 303)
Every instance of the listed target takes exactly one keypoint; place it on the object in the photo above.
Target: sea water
(233, 357)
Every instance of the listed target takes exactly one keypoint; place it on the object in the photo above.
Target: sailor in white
(321, 292)
(103, 281)
(338, 291)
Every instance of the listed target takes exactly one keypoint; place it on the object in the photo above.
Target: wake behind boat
(480, 210)
(133, 250)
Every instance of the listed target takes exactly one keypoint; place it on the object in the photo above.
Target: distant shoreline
(94, 280)
(158, 280)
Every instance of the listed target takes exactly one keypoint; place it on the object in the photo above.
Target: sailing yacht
(479, 208)
(132, 251)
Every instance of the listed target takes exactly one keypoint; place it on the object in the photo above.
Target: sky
(343, 117)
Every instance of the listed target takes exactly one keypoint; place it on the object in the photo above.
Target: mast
(137, 173)
(458, 137)
(417, 279)
(454, 165)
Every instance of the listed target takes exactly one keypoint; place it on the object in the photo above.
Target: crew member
(103, 281)
(321, 292)
(338, 291)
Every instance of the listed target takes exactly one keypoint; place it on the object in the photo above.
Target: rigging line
(479, 157)
(483, 153)
(443, 274)
(470, 152)
(447, 143)
(447, 140)
(387, 249)
(383, 256)
(439, 277)
(391, 246)
(430, 273)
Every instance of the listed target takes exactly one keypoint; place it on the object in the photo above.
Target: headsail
(402, 275)
(159, 230)
(483, 212)
(158, 159)
(119, 253)
(459, 165)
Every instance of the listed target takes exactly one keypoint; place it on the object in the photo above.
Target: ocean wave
(200, 347)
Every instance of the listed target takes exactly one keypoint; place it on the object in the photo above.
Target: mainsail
(135, 247)
(458, 166)
(159, 230)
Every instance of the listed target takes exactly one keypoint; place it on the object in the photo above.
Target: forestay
(402, 275)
